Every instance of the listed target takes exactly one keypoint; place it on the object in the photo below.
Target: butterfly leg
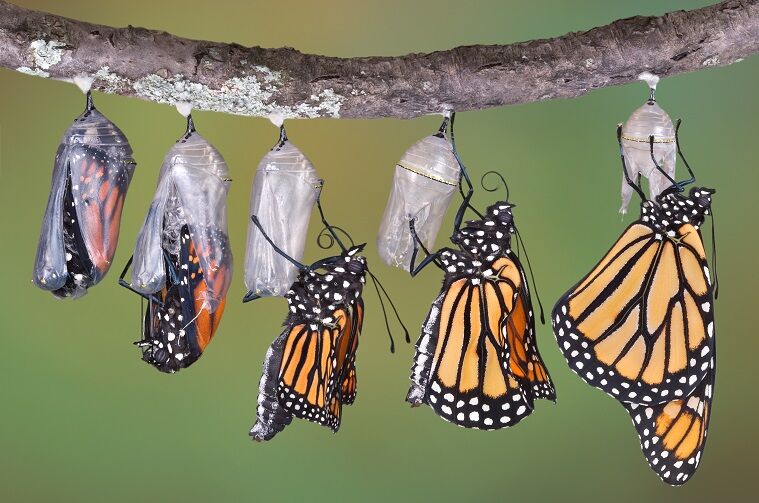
(128, 286)
(431, 257)
(271, 418)
(277, 249)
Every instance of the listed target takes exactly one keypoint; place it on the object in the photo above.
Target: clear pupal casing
(285, 188)
(424, 183)
(192, 190)
(80, 229)
(646, 121)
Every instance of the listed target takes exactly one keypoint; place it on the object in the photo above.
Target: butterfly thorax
(672, 210)
(316, 295)
(480, 242)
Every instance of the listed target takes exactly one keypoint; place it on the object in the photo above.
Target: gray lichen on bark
(256, 81)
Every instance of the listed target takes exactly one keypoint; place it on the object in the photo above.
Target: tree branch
(255, 81)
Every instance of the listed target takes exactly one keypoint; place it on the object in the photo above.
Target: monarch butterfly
(477, 363)
(80, 229)
(309, 371)
(182, 259)
(640, 326)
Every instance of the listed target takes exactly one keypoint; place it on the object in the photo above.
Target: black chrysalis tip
(282, 137)
(652, 97)
(190, 129)
(443, 128)
(89, 106)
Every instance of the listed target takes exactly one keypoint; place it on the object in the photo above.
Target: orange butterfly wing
(640, 325)
(673, 434)
(471, 367)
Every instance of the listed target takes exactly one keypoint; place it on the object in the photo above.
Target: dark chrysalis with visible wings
(310, 369)
(640, 327)
(80, 229)
(182, 261)
(477, 363)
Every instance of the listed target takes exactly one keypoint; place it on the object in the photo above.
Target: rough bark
(256, 81)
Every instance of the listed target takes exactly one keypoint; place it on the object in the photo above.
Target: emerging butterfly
(477, 362)
(640, 327)
(182, 259)
(310, 369)
(80, 230)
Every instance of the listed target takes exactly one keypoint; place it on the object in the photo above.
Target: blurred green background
(84, 419)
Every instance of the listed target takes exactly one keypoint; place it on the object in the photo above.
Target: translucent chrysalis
(80, 229)
(648, 123)
(284, 191)
(182, 261)
(424, 183)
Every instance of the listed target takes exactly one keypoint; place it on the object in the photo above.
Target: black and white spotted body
(330, 286)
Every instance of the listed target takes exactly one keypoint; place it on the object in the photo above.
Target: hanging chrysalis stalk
(182, 261)
(424, 183)
(283, 194)
(80, 229)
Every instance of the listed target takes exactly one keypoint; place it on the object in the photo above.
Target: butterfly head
(355, 264)
(671, 210)
(500, 214)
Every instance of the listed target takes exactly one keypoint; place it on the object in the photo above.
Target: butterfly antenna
(381, 290)
(384, 314)
(326, 233)
(714, 255)
(532, 275)
(500, 176)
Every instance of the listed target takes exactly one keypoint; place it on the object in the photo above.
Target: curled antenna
(500, 177)
(327, 233)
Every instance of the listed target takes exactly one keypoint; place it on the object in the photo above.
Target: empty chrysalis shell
(192, 192)
(283, 194)
(424, 183)
(80, 229)
(646, 121)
